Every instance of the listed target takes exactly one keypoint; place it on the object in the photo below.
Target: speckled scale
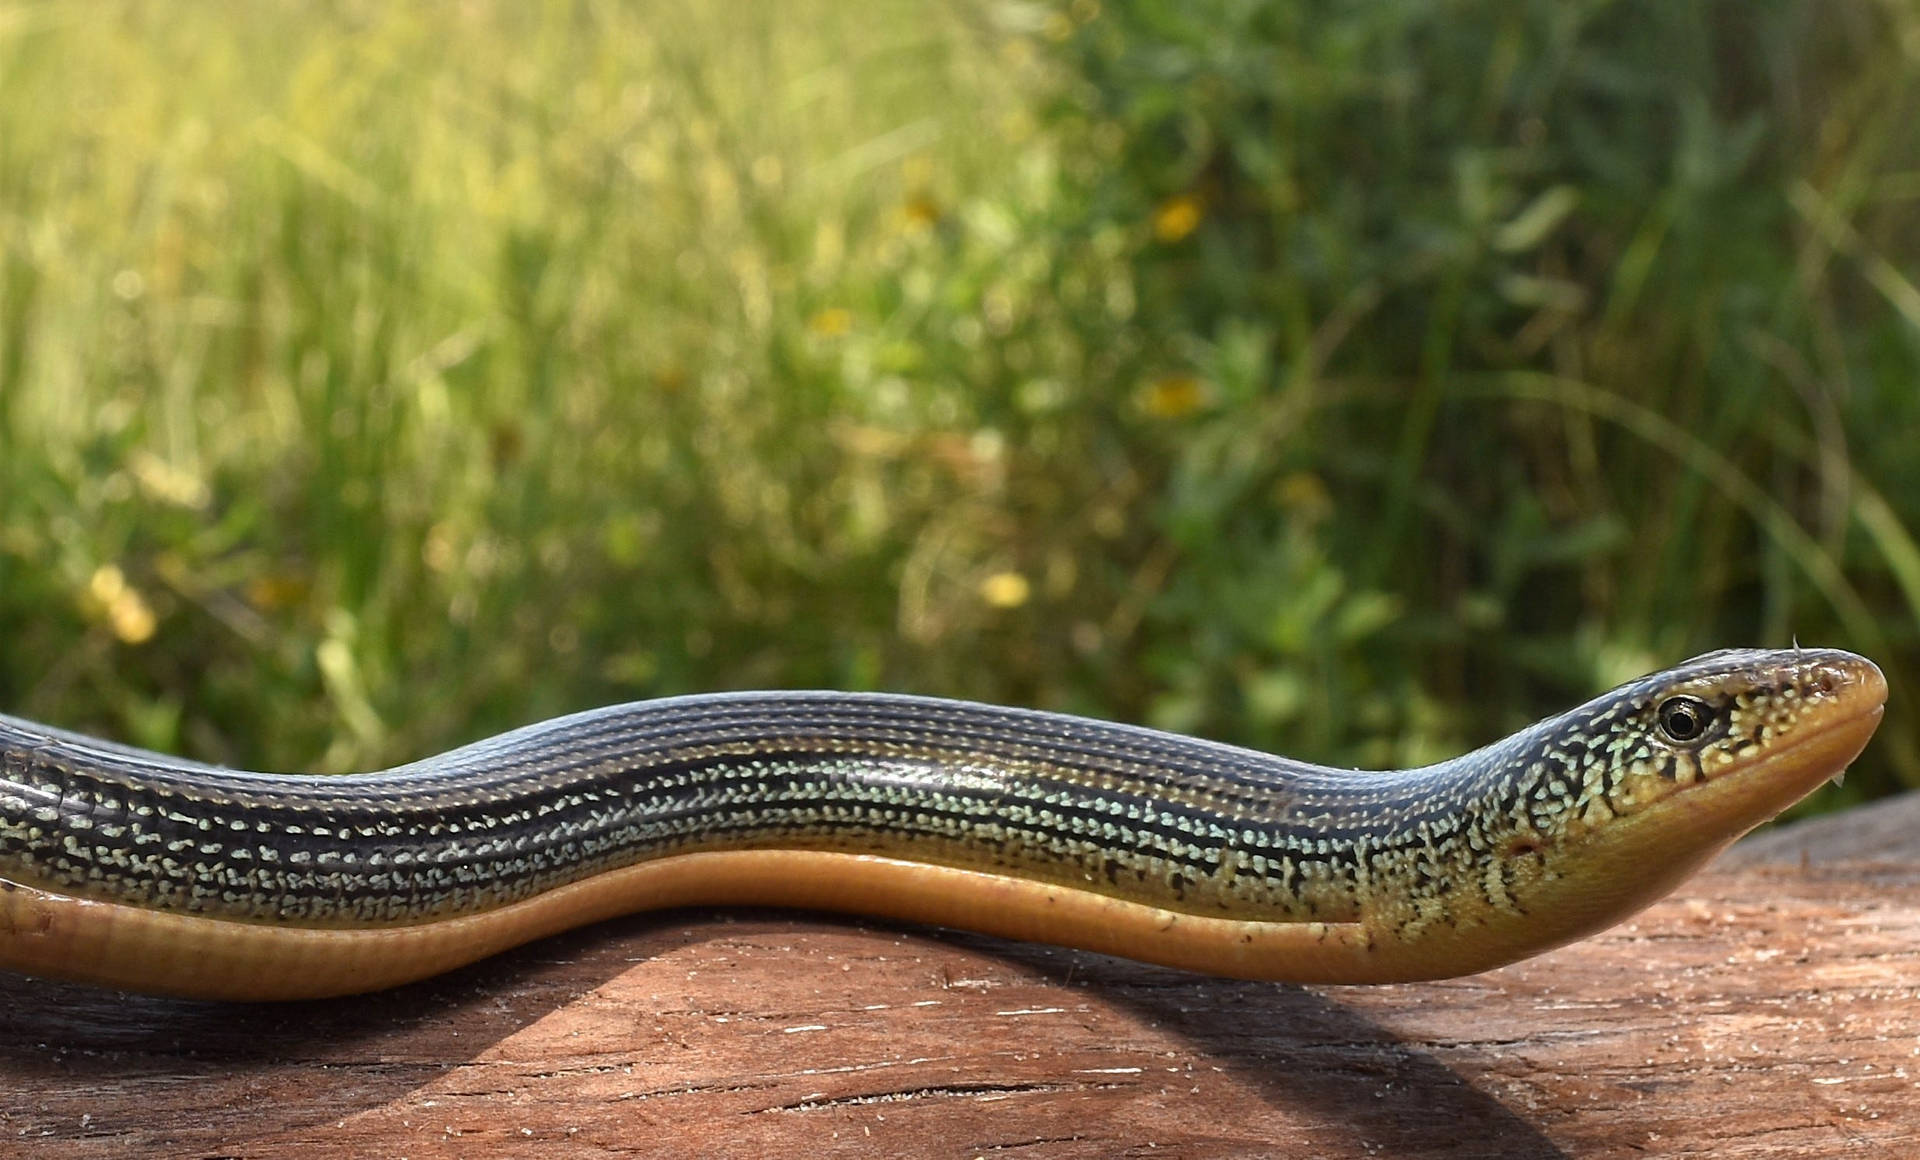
(1145, 815)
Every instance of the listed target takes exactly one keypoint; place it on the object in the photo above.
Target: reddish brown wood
(1772, 1009)
(1888, 831)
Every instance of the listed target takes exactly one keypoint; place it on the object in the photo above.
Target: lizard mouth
(1734, 802)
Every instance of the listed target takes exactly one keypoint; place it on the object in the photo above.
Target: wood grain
(1771, 1008)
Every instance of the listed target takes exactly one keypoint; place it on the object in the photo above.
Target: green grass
(1354, 381)
(427, 369)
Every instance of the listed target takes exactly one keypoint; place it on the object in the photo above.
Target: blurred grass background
(1359, 381)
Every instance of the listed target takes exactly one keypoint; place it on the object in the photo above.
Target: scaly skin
(136, 870)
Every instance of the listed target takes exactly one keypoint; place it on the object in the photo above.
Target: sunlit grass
(388, 358)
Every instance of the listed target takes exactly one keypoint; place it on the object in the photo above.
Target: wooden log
(1771, 1007)
(1888, 831)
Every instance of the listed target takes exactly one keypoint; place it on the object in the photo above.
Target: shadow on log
(1772, 1006)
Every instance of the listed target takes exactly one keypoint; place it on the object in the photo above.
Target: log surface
(1769, 1008)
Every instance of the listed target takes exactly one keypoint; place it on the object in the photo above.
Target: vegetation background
(1354, 380)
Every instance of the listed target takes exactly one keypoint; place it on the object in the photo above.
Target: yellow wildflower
(128, 612)
(1005, 590)
(1176, 218)
(832, 322)
(1173, 396)
(920, 211)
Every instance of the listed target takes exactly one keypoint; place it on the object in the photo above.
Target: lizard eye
(1684, 719)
